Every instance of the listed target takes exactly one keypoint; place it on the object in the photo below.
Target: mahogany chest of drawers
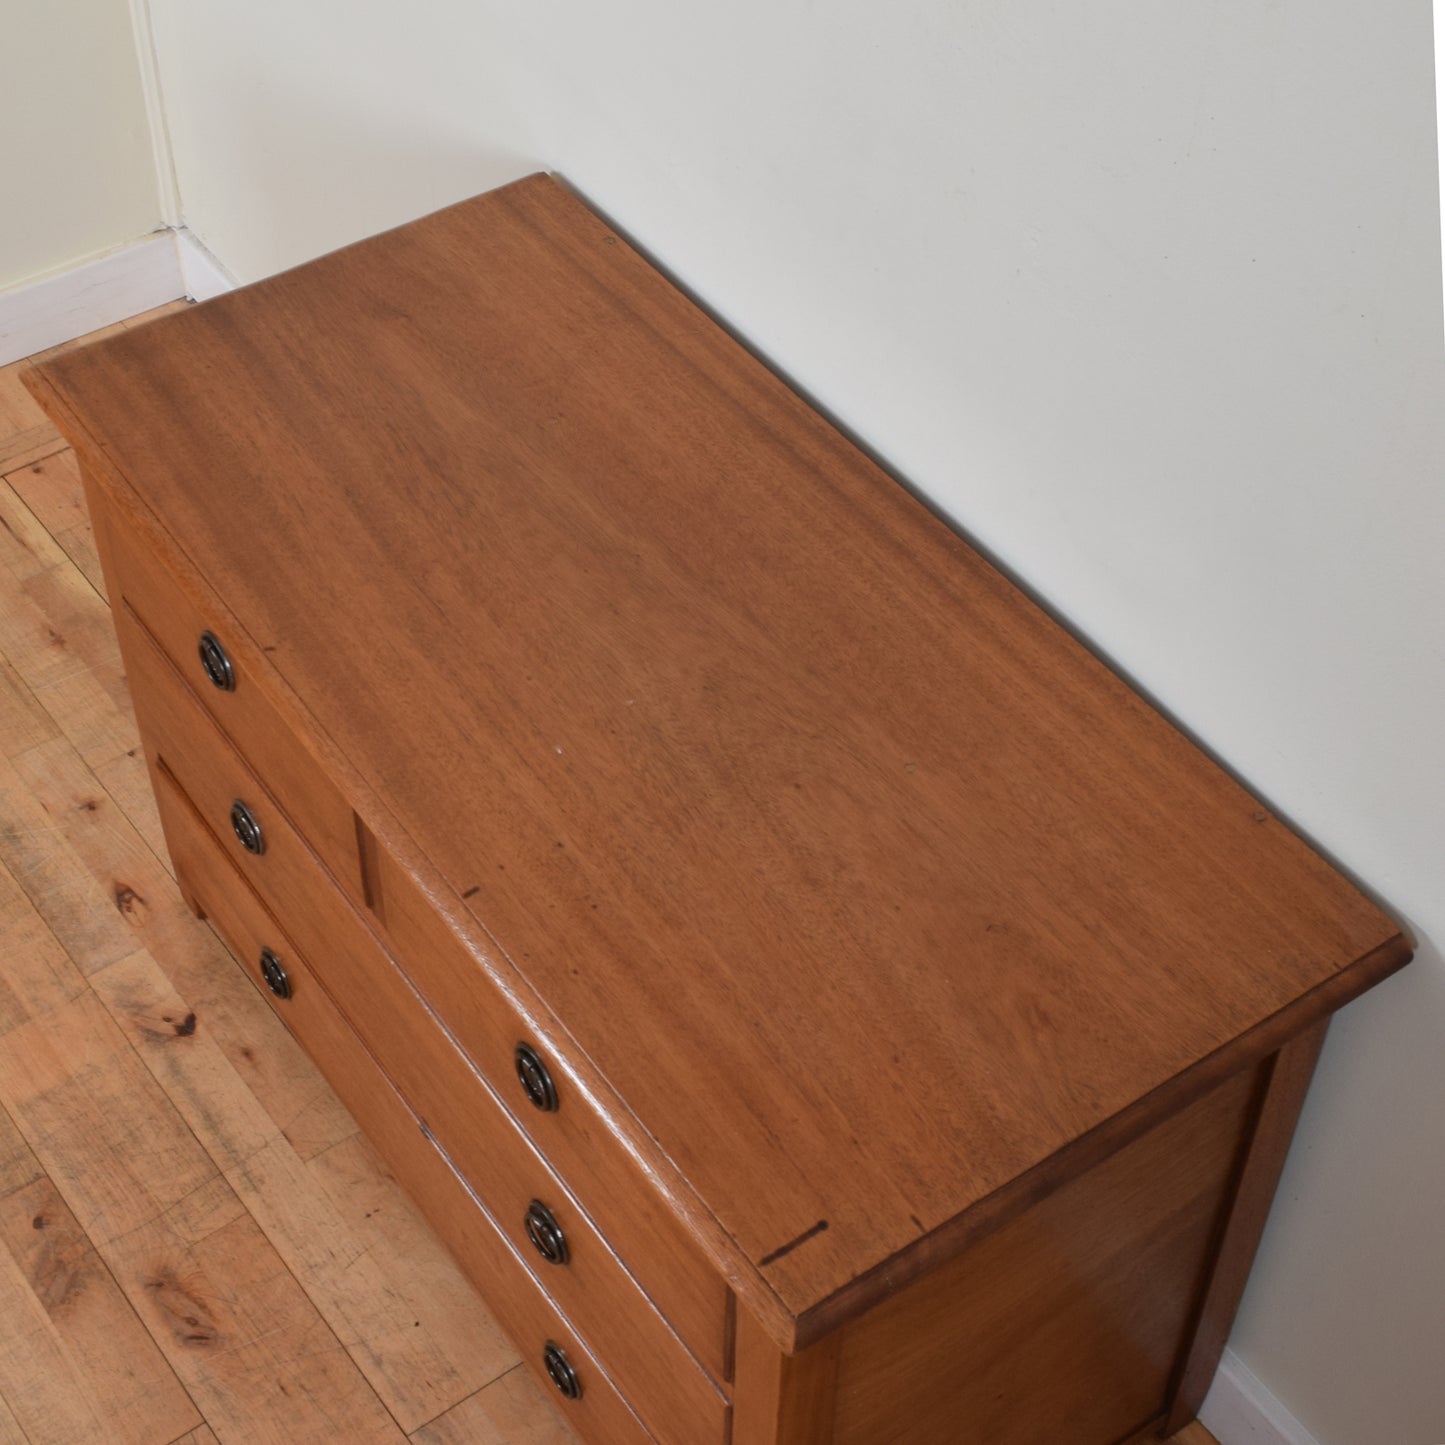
(812, 996)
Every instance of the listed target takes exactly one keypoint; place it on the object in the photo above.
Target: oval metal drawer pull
(546, 1234)
(560, 1371)
(274, 973)
(535, 1079)
(246, 828)
(217, 662)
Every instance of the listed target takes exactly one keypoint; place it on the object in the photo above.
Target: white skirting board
(1241, 1410)
(201, 274)
(98, 292)
(102, 290)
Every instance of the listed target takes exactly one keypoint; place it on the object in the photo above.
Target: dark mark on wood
(186, 1313)
(38, 1222)
(793, 1244)
(88, 806)
(473, 890)
(178, 1030)
(127, 900)
(919, 1223)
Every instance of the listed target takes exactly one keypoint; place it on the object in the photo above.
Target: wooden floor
(195, 1242)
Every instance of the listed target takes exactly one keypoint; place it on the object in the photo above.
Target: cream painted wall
(1146, 297)
(77, 171)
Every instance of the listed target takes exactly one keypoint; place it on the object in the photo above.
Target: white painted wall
(77, 171)
(1146, 296)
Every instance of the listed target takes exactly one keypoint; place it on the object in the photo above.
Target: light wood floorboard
(197, 1247)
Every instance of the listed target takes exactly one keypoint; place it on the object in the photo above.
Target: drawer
(600, 1414)
(213, 775)
(629, 1209)
(463, 1116)
(177, 621)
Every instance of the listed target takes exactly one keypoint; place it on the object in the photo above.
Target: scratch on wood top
(793, 1244)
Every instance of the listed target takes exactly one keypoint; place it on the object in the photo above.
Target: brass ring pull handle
(275, 974)
(216, 662)
(535, 1078)
(546, 1234)
(560, 1372)
(247, 829)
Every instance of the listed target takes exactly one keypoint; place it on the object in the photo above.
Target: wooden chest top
(874, 895)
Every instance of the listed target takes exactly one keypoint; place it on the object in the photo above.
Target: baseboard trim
(201, 274)
(1242, 1410)
(104, 289)
(98, 292)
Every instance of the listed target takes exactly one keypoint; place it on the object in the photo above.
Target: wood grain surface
(864, 884)
(1073, 1312)
(1285, 1080)
(75, 828)
(406, 1142)
(436, 1078)
(190, 1223)
(643, 1354)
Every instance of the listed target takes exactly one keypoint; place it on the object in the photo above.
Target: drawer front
(649, 1236)
(178, 622)
(216, 779)
(460, 1111)
(599, 1414)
